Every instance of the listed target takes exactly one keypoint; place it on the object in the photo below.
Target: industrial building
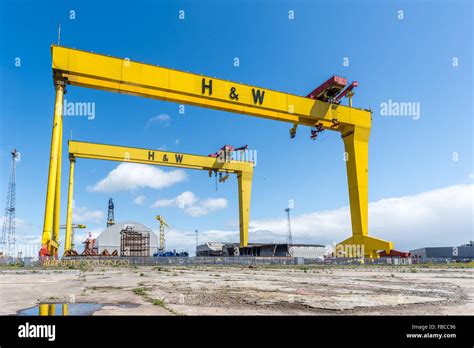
(308, 251)
(462, 252)
(211, 249)
(129, 239)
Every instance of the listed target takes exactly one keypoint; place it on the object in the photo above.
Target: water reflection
(52, 309)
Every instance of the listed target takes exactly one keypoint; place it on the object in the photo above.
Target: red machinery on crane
(332, 91)
(225, 155)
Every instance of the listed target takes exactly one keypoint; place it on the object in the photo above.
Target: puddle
(61, 309)
(126, 305)
(71, 308)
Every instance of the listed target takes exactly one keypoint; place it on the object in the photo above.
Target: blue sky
(403, 60)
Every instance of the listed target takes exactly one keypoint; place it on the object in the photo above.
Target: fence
(200, 260)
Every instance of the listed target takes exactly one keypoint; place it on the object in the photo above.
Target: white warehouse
(112, 239)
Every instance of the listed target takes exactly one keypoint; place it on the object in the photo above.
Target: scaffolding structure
(134, 243)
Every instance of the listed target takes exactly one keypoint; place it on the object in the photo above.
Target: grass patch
(139, 291)
(158, 302)
(161, 269)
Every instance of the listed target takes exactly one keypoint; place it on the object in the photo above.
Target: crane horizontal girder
(92, 70)
(150, 156)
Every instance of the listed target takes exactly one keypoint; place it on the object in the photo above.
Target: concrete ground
(239, 290)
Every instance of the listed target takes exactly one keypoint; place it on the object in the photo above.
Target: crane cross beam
(80, 149)
(91, 70)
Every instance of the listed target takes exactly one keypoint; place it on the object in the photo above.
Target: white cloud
(191, 204)
(163, 119)
(164, 203)
(130, 176)
(214, 204)
(441, 217)
(139, 199)
(438, 217)
(83, 215)
(471, 176)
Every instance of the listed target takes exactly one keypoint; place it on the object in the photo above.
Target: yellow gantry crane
(243, 170)
(91, 70)
(163, 224)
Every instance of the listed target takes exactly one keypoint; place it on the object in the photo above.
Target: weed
(158, 302)
(139, 291)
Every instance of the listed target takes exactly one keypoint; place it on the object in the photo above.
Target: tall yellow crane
(163, 224)
(319, 110)
(243, 170)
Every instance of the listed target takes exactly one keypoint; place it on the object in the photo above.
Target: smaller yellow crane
(163, 224)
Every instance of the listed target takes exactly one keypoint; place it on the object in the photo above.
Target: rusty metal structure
(134, 243)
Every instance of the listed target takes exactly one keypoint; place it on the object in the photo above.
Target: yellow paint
(54, 162)
(43, 309)
(98, 71)
(70, 195)
(245, 192)
(356, 144)
(57, 198)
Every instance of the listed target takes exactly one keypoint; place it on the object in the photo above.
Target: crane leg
(49, 245)
(245, 191)
(57, 191)
(70, 198)
(356, 143)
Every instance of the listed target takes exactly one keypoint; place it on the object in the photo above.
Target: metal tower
(197, 240)
(289, 237)
(8, 229)
(110, 216)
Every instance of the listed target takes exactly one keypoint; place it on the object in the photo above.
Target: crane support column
(70, 198)
(49, 245)
(245, 192)
(57, 190)
(356, 144)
